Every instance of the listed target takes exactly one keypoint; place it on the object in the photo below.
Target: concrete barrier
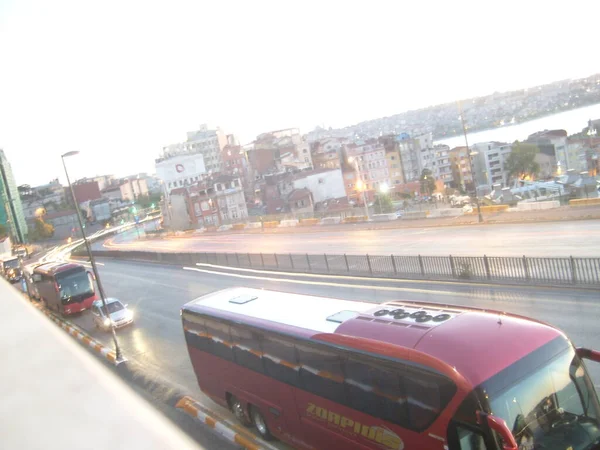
(288, 223)
(446, 212)
(308, 222)
(238, 226)
(584, 202)
(254, 225)
(412, 215)
(384, 217)
(490, 209)
(330, 221)
(224, 228)
(355, 219)
(273, 224)
(536, 206)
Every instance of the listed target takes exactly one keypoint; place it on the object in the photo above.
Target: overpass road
(568, 238)
(157, 292)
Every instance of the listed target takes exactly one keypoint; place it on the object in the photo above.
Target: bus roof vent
(342, 316)
(411, 314)
(243, 299)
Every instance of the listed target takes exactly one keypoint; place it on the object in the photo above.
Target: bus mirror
(499, 426)
(586, 353)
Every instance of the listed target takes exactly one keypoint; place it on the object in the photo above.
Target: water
(572, 121)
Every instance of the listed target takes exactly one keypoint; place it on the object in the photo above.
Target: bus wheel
(260, 424)
(238, 410)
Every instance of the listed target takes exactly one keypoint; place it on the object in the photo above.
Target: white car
(118, 314)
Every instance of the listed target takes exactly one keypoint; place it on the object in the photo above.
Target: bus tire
(260, 423)
(237, 408)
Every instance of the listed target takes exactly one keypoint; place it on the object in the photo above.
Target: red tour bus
(66, 288)
(321, 373)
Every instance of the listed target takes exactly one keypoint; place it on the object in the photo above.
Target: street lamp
(89, 251)
(360, 185)
(464, 127)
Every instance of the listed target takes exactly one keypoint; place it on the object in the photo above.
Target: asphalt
(156, 293)
(550, 239)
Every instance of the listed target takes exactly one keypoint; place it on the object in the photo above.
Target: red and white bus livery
(322, 373)
(66, 288)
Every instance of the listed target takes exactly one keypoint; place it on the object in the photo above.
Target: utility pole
(464, 127)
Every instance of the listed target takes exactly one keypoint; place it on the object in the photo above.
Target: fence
(522, 270)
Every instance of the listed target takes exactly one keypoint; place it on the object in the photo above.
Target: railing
(520, 270)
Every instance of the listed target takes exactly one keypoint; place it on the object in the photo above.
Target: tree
(383, 204)
(41, 230)
(427, 182)
(521, 161)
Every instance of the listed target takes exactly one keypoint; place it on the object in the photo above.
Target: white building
(324, 185)
(132, 188)
(489, 161)
(437, 160)
(205, 142)
(180, 171)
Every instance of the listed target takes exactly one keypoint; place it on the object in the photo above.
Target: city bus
(323, 373)
(66, 288)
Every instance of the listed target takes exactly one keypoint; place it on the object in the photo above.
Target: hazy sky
(117, 80)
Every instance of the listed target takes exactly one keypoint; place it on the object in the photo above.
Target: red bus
(66, 288)
(321, 373)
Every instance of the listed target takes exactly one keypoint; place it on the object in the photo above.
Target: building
(327, 153)
(300, 202)
(234, 160)
(133, 188)
(11, 209)
(279, 151)
(410, 154)
(437, 159)
(86, 190)
(208, 143)
(488, 163)
(65, 223)
(180, 171)
(49, 197)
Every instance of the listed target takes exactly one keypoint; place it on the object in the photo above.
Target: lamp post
(464, 127)
(360, 185)
(89, 251)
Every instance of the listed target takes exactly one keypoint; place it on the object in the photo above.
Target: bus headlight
(131, 314)
(106, 322)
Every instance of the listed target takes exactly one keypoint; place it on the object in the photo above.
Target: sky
(118, 80)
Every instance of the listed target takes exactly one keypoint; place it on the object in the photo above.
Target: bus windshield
(75, 287)
(11, 264)
(554, 407)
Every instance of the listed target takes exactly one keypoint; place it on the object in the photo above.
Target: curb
(88, 341)
(194, 409)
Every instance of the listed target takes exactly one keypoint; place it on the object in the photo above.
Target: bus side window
(279, 358)
(219, 343)
(428, 395)
(246, 350)
(198, 339)
(469, 439)
(321, 372)
(376, 390)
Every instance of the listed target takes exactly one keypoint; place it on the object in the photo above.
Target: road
(157, 292)
(569, 238)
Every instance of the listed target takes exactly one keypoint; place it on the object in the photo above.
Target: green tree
(521, 161)
(42, 229)
(427, 182)
(383, 204)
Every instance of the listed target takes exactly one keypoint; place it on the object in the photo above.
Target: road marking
(471, 295)
(387, 280)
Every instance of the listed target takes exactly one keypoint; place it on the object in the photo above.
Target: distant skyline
(120, 80)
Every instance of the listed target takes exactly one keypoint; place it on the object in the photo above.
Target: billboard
(180, 168)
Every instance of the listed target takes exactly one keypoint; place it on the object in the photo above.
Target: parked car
(118, 314)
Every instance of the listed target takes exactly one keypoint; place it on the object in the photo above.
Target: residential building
(300, 202)
(11, 209)
(370, 159)
(113, 193)
(206, 142)
(461, 169)
(65, 223)
(133, 188)
(278, 151)
(394, 161)
(488, 163)
(86, 190)
(410, 151)
(234, 160)
(180, 171)
(49, 197)
(216, 201)
(323, 184)
(437, 160)
(327, 153)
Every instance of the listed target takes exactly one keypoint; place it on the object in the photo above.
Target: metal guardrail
(522, 270)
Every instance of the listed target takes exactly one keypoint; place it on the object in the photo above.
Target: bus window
(220, 341)
(423, 400)
(321, 372)
(376, 390)
(198, 339)
(279, 357)
(469, 439)
(246, 350)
